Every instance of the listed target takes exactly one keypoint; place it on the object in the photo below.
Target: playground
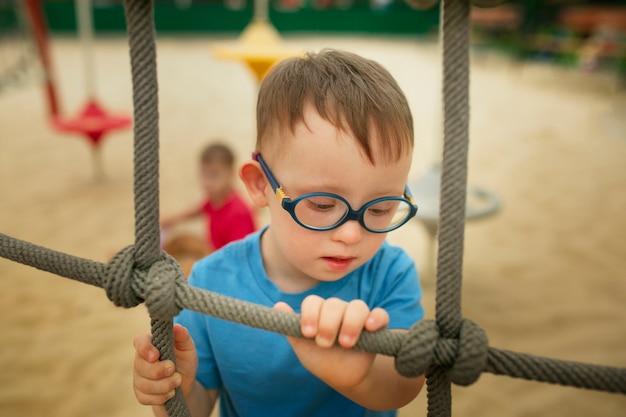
(545, 274)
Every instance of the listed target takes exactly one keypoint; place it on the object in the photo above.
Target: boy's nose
(350, 232)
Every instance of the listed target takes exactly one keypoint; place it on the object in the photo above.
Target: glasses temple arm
(275, 185)
(408, 195)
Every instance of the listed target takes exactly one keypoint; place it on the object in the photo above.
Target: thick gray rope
(141, 41)
(450, 349)
(452, 203)
(165, 292)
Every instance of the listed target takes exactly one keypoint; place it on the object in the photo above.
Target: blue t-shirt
(255, 370)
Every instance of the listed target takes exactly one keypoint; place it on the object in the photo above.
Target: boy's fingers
(158, 386)
(378, 319)
(309, 315)
(282, 306)
(150, 392)
(335, 320)
(329, 322)
(145, 399)
(153, 370)
(144, 348)
(353, 323)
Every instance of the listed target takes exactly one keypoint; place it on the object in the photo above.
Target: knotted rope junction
(450, 349)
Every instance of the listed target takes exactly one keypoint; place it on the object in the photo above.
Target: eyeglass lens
(325, 211)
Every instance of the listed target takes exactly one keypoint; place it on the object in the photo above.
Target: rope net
(449, 349)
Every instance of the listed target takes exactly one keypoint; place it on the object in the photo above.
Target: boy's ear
(254, 179)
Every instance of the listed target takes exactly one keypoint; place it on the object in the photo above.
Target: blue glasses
(326, 211)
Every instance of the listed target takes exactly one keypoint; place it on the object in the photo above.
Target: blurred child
(227, 214)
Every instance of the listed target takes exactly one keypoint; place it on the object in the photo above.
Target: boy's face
(216, 179)
(322, 159)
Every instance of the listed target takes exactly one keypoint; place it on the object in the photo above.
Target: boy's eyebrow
(323, 186)
(341, 190)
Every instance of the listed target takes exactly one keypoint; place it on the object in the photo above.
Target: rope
(165, 292)
(455, 45)
(450, 349)
(141, 40)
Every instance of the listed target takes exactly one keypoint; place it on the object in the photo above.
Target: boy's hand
(334, 321)
(154, 381)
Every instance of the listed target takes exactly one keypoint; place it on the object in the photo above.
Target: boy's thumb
(182, 339)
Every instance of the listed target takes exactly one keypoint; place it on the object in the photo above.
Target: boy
(228, 216)
(336, 131)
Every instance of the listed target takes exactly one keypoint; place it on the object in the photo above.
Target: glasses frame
(289, 205)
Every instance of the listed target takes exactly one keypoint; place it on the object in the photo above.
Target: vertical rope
(454, 168)
(439, 393)
(455, 42)
(142, 44)
(163, 340)
(450, 342)
(141, 38)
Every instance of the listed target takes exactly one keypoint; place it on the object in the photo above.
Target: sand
(545, 275)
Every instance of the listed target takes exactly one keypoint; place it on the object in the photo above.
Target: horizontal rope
(79, 269)
(165, 291)
(556, 371)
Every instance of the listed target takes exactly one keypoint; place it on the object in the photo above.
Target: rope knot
(469, 357)
(465, 358)
(118, 279)
(417, 350)
(163, 278)
(127, 286)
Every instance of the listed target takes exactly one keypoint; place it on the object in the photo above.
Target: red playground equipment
(93, 121)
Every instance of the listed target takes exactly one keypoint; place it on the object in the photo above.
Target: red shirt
(231, 221)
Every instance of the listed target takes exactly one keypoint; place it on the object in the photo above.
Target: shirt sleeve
(400, 293)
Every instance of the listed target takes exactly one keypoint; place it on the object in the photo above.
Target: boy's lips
(338, 263)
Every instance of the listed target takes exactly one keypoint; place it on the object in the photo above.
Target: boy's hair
(353, 93)
(217, 152)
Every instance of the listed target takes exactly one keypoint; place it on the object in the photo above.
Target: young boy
(228, 216)
(334, 130)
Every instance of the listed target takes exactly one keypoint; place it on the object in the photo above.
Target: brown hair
(351, 92)
(217, 152)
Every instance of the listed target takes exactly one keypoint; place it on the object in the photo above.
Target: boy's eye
(383, 209)
(379, 211)
(321, 203)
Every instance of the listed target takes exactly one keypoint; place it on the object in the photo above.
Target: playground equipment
(93, 121)
(480, 203)
(450, 349)
(36, 20)
(19, 63)
(259, 45)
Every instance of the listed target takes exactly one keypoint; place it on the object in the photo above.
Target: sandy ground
(546, 275)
